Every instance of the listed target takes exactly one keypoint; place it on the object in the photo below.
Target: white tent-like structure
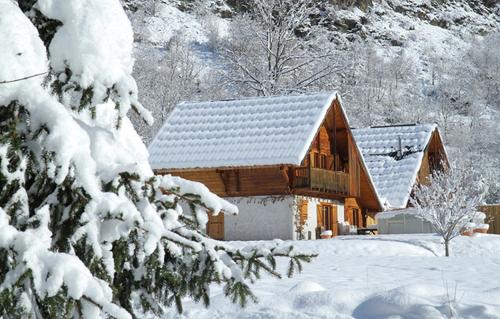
(403, 221)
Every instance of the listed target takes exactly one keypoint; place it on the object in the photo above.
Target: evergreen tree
(86, 228)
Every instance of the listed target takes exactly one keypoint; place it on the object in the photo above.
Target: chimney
(399, 154)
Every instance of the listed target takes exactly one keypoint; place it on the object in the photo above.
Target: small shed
(406, 221)
(403, 221)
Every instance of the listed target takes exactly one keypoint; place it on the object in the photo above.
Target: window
(435, 163)
(315, 160)
(327, 217)
(322, 161)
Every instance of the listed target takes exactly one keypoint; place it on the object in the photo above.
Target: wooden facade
(215, 226)
(353, 212)
(434, 159)
(331, 169)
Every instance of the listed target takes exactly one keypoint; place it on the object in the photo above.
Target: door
(215, 226)
(353, 213)
(327, 218)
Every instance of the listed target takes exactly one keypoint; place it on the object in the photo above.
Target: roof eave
(185, 169)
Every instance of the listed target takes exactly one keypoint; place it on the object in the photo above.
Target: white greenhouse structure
(405, 221)
(402, 222)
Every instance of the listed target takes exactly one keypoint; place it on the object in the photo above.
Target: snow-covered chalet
(290, 164)
(398, 157)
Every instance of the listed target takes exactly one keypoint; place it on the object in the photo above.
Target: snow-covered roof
(394, 173)
(246, 132)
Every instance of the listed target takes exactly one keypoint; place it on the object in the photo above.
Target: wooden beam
(237, 175)
(284, 171)
(223, 177)
(163, 171)
(317, 194)
(334, 140)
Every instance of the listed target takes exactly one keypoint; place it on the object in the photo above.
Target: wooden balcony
(322, 180)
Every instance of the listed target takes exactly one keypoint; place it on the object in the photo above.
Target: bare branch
(24, 78)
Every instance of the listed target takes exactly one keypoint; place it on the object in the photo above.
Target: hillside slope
(384, 22)
(403, 62)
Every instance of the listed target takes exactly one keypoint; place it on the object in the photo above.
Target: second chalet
(398, 158)
(289, 163)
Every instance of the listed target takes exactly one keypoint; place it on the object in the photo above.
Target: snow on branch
(49, 272)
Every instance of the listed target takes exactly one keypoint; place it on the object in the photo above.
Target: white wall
(270, 217)
(260, 218)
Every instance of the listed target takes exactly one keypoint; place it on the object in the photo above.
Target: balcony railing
(321, 180)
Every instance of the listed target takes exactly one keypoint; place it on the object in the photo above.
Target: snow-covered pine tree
(86, 229)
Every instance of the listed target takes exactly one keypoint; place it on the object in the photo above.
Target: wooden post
(334, 140)
(309, 171)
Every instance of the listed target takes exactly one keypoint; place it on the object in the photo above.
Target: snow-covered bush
(86, 229)
(449, 203)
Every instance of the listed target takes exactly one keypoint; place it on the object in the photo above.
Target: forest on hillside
(391, 61)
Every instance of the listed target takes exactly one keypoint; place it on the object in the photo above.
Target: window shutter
(319, 212)
(303, 211)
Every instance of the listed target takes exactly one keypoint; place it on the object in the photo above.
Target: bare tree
(165, 80)
(383, 86)
(446, 109)
(486, 60)
(274, 51)
(362, 85)
(450, 201)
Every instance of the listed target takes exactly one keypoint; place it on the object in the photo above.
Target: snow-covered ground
(387, 276)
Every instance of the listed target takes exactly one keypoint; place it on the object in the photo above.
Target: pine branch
(193, 202)
(88, 299)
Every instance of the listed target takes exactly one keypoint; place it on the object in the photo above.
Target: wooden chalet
(291, 164)
(400, 156)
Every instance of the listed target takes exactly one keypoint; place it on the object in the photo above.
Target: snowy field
(389, 276)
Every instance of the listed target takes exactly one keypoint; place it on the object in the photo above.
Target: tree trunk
(446, 248)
